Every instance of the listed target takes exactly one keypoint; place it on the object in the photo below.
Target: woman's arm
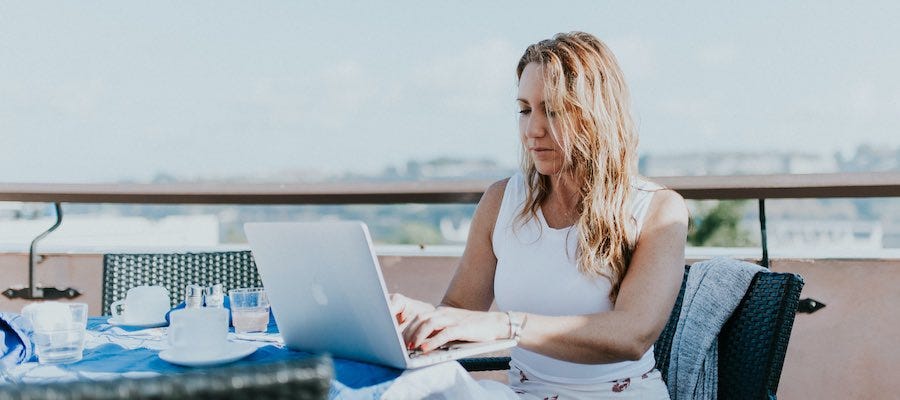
(472, 286)
(645, 301)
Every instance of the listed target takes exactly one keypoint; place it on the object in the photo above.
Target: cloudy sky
(104, 91)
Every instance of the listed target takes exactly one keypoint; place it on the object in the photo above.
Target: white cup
(198, 332)
(142, 305)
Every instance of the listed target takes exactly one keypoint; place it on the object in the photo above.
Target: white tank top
(537, 273)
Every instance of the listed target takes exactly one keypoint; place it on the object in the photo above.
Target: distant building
(16, 210)
(11, 210)
(848, 236)
(735, 163)
(453, 168)
(869, 158)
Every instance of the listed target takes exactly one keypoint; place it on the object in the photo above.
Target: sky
(119, 90)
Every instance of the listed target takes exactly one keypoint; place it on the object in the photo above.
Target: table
(112, 352)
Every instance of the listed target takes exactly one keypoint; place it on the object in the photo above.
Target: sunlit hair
(585, 87)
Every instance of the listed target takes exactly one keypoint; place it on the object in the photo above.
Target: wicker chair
(121, 272)
(752, 343)
(293, 379)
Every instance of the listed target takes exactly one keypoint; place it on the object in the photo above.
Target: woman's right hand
(406, 309)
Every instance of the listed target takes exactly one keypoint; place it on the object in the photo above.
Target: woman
(582, 256)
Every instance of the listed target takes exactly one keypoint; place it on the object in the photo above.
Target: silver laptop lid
(326, 289)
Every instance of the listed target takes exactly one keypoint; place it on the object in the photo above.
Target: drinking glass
(59, 330)
(249, 309)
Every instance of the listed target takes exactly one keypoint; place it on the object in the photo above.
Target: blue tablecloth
(15, 340)
(113, 351)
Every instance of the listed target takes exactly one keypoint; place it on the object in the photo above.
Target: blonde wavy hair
(585, 86)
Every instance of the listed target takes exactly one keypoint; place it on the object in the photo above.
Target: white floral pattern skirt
(646, 386)
(449, 381)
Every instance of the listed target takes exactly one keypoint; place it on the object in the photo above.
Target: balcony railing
(759, 187)
(885, 184)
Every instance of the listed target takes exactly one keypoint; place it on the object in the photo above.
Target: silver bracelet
(509, 324)
(516, 324)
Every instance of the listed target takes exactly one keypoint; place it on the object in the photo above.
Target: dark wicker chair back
(233, 269)
(752, 343)
(307, 379)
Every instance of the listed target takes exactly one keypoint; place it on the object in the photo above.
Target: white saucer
(233, 351)
(117, 321)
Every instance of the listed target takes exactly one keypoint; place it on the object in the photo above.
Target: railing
(885, 184)
(759, 187)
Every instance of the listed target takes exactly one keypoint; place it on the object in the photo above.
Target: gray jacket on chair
(713, 290)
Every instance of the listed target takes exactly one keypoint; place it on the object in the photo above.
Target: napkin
(227, 305)
(15, 339)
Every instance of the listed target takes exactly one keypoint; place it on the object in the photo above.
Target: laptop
(327, 294)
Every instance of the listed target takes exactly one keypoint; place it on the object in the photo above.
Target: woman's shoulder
(661, 196)
(497, 189)
(494, 192)
(645, 185)
(668, 206)
(489, 208)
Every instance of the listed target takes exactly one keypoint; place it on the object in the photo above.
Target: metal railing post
(33, 292)
(762, 229)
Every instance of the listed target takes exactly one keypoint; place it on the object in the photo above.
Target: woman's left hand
(431, 330)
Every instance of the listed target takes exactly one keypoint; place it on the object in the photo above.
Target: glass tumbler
(249, 309)
(59, 330)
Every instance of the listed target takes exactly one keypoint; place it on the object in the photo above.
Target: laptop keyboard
(415, 353)
(446, 347)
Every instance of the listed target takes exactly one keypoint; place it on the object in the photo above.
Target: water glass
(249, 309)
(59, 330)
